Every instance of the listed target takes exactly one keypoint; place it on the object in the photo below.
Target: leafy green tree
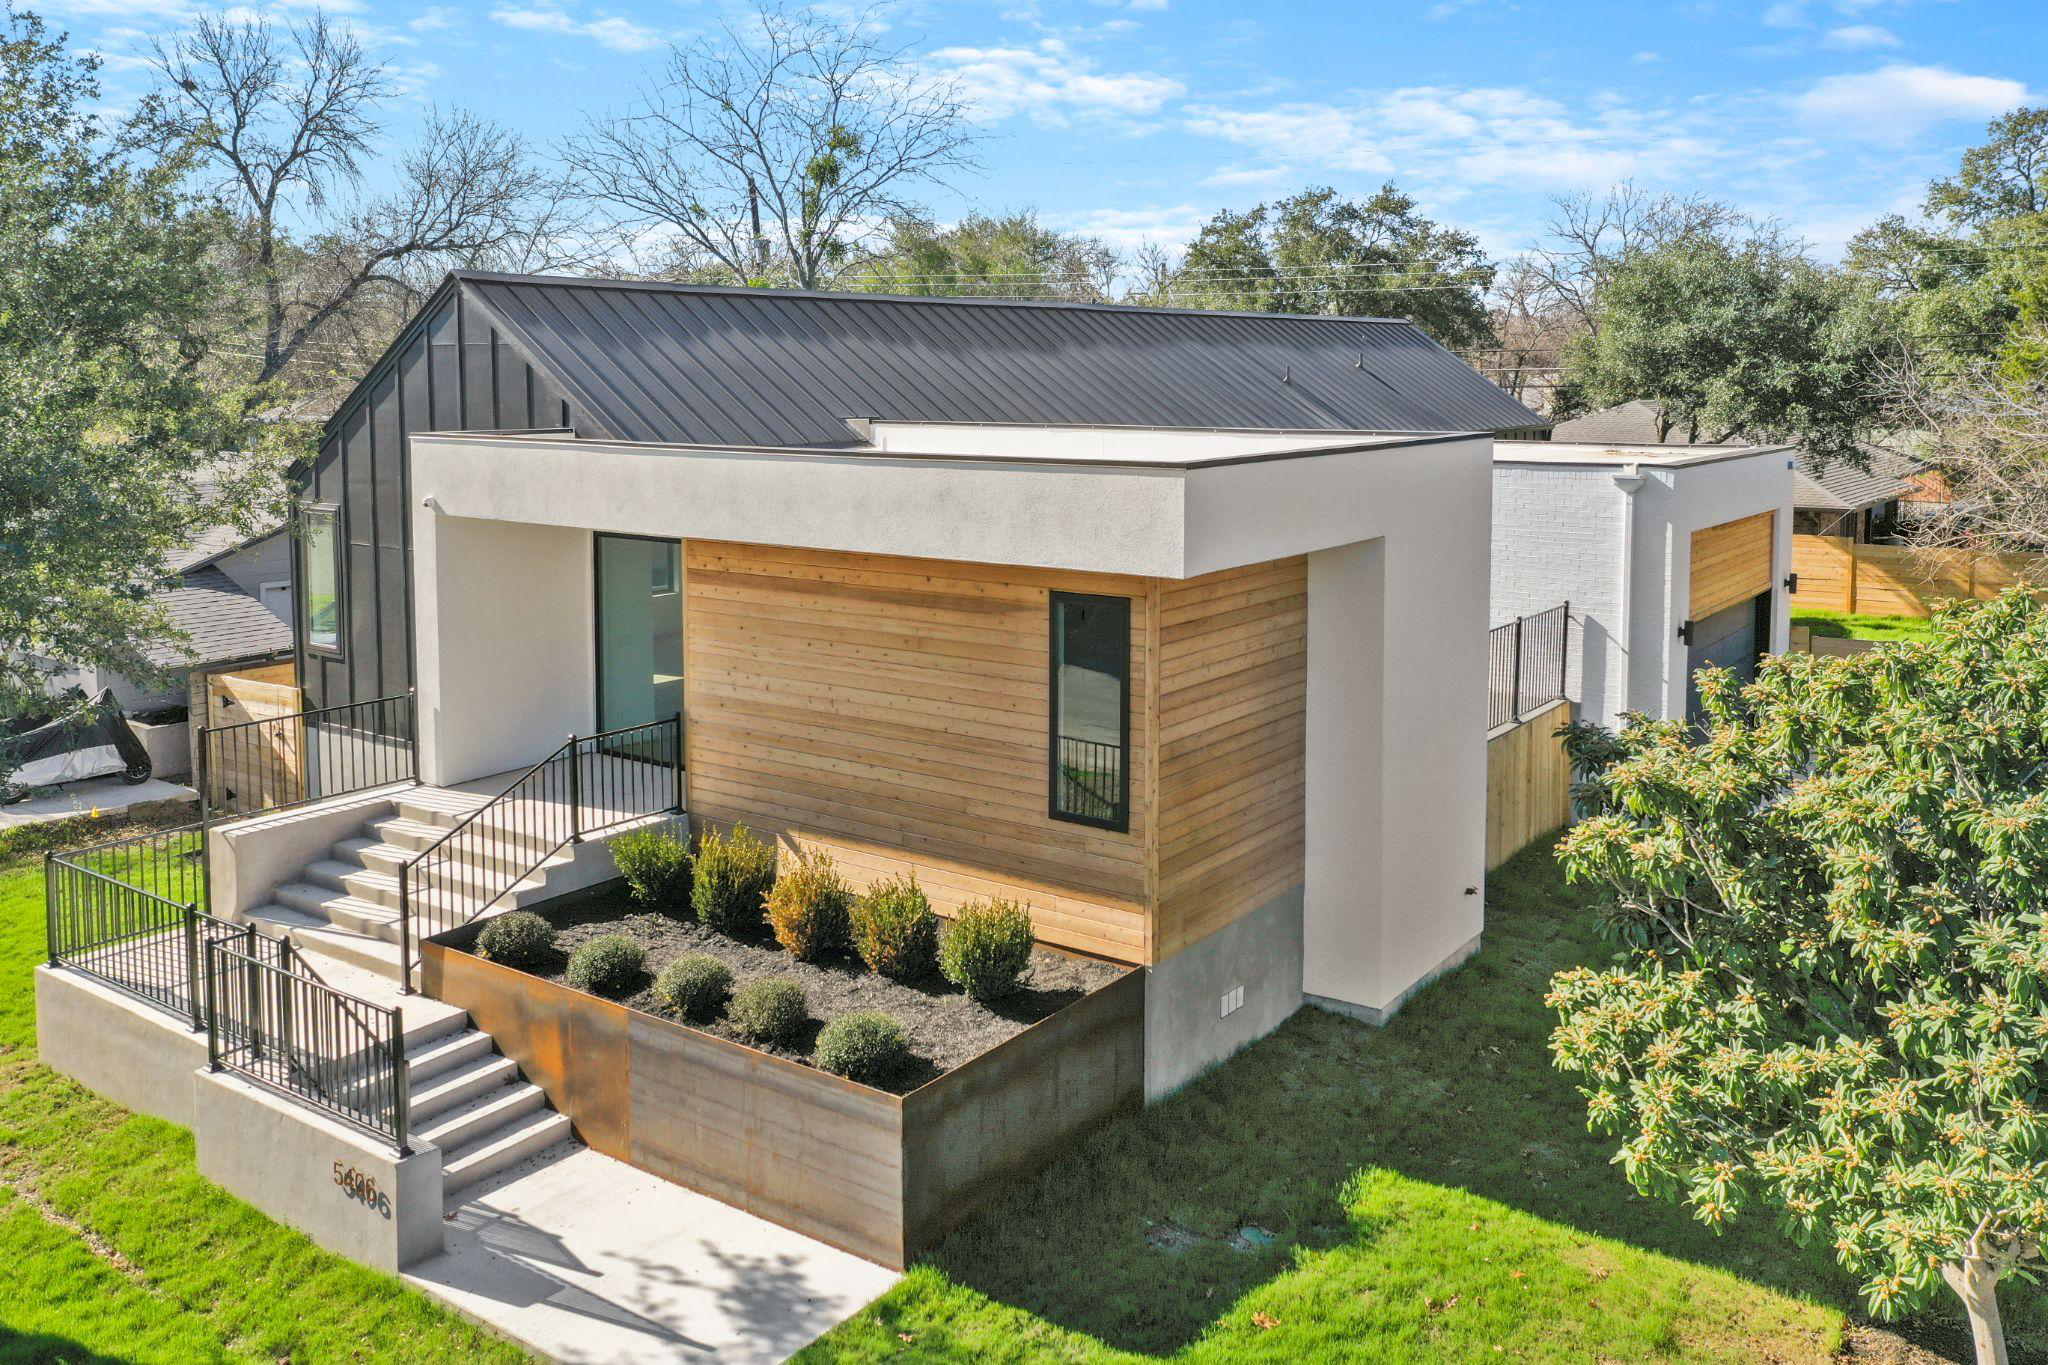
(111, 434)
(1319, 252)
(1960, 279)
(1832, 991)
(1732, 339)
(1011, 256)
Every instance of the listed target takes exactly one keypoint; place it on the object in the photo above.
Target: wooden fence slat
(1528, 784)
(1836, 574)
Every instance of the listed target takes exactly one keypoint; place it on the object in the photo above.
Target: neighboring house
(1844, 498)
(1671, 557)
(233, 606)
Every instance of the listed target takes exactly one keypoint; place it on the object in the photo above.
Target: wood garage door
(1730, 563)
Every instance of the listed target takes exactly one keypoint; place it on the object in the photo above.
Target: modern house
(1672, 557)
(1168, 625)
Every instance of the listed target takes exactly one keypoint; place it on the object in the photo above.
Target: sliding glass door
(639, 630)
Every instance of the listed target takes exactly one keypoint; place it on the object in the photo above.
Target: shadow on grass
(42, 1348)
(1138, 1240)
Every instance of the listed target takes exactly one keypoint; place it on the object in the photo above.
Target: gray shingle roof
(674, 363)
(1625, 424)
(223, 622)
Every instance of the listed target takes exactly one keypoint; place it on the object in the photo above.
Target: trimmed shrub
(695, 986)
(988, 948)
(866, 1046)
(894, 929)
(734, 873)
(517, 938)
(656, 866)
(607, 965)
(771, 1010)
(808, 909)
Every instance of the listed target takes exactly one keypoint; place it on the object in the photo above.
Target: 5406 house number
(362, 1188)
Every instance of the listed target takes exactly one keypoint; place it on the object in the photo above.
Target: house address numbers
(363, 1189)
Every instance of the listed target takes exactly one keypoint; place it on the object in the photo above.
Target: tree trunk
(1976, 1284)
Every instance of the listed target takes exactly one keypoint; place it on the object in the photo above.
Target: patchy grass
(116, 1249)
(1426, 1191)
(1843, 626)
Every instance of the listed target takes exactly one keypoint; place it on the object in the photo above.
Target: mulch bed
(946, 1029)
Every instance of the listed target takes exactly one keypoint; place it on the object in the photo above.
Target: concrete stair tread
(335, 956)
(446, 1053)
(459, 1085)
(452, 1129)
(498, 1149)
(316, 900)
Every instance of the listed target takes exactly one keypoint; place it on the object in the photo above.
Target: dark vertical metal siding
(450, 371)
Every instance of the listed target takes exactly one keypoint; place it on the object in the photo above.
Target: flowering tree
(1832, 996)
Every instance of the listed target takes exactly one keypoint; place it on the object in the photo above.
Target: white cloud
(1148, 4)
(618, 34)
(1128, 229)
(1895, 103)
(1050, 83)
(1858, 37)
(434, 20)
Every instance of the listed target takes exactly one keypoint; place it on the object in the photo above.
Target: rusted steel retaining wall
(883, 1176)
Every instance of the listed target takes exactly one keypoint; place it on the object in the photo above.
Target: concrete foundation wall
(116, 1046)
(296, 1167)
(1186, 1031)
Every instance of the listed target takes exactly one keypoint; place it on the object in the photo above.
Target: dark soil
(946, 1028)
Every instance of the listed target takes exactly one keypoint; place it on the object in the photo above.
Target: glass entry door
(639, 630)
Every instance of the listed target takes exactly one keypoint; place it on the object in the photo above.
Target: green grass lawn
(114, 1248)
(1430, 1193)
(1843, 626)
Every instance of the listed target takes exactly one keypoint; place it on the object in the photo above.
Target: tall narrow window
(320, 558)
(1091, 709)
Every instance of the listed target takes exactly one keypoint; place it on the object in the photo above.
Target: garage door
(1734, 637)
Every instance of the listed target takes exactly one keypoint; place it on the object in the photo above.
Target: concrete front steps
(345, 906)
(463, 1097)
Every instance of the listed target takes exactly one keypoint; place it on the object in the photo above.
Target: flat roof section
(1599, 453)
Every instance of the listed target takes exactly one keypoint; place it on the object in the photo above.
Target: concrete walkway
(107, 795)
(586, 1259)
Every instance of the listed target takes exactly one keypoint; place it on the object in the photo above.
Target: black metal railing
(130, 913)
(259, 766)
(1526, 664)
(286, 1030)
(1090, 778)
(591, 784)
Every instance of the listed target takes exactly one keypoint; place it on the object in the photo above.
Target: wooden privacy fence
(1528, 784)
(1837, 574)
(259, 775)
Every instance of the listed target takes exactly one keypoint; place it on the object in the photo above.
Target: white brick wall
(1557, 536)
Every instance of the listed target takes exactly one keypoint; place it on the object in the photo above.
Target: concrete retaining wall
(114, 1045)
(1186, 1029)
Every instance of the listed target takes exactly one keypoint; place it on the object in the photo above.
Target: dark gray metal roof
(222, 621)
(674, 363)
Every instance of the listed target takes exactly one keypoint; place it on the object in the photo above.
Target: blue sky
(1136, 119)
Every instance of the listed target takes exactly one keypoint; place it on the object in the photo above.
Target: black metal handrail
(1527, 661)
(590, 784)
(291, 1033)
(256, 767)
(128, 912)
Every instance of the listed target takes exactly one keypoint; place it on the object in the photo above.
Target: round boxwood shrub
(656, 866)
(894, 929)
(607, 965)
(695, 986)
(517, 938)
(987, 949)
(808, 907)
(771, 1010)
(866, 1046)
(733, 874)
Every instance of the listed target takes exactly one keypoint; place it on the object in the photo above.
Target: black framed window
(1091, 709)
(320, 549)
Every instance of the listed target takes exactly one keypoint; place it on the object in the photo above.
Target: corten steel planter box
(883, 1176)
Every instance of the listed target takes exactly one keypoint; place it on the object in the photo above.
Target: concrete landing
(588, 1260)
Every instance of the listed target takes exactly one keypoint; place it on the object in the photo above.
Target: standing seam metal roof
(675, 363)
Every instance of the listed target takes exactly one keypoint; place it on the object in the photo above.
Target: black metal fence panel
(1527, 661)
(281, 762)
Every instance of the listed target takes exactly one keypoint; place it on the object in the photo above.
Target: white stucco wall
(506, 666)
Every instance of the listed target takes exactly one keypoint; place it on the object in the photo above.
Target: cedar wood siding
(452, 369)
(895, 712)
(1730, 563)
(1232, 744)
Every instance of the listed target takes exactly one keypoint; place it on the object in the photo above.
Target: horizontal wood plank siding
(1232, 726)
(1730, 563)
(894, 711)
